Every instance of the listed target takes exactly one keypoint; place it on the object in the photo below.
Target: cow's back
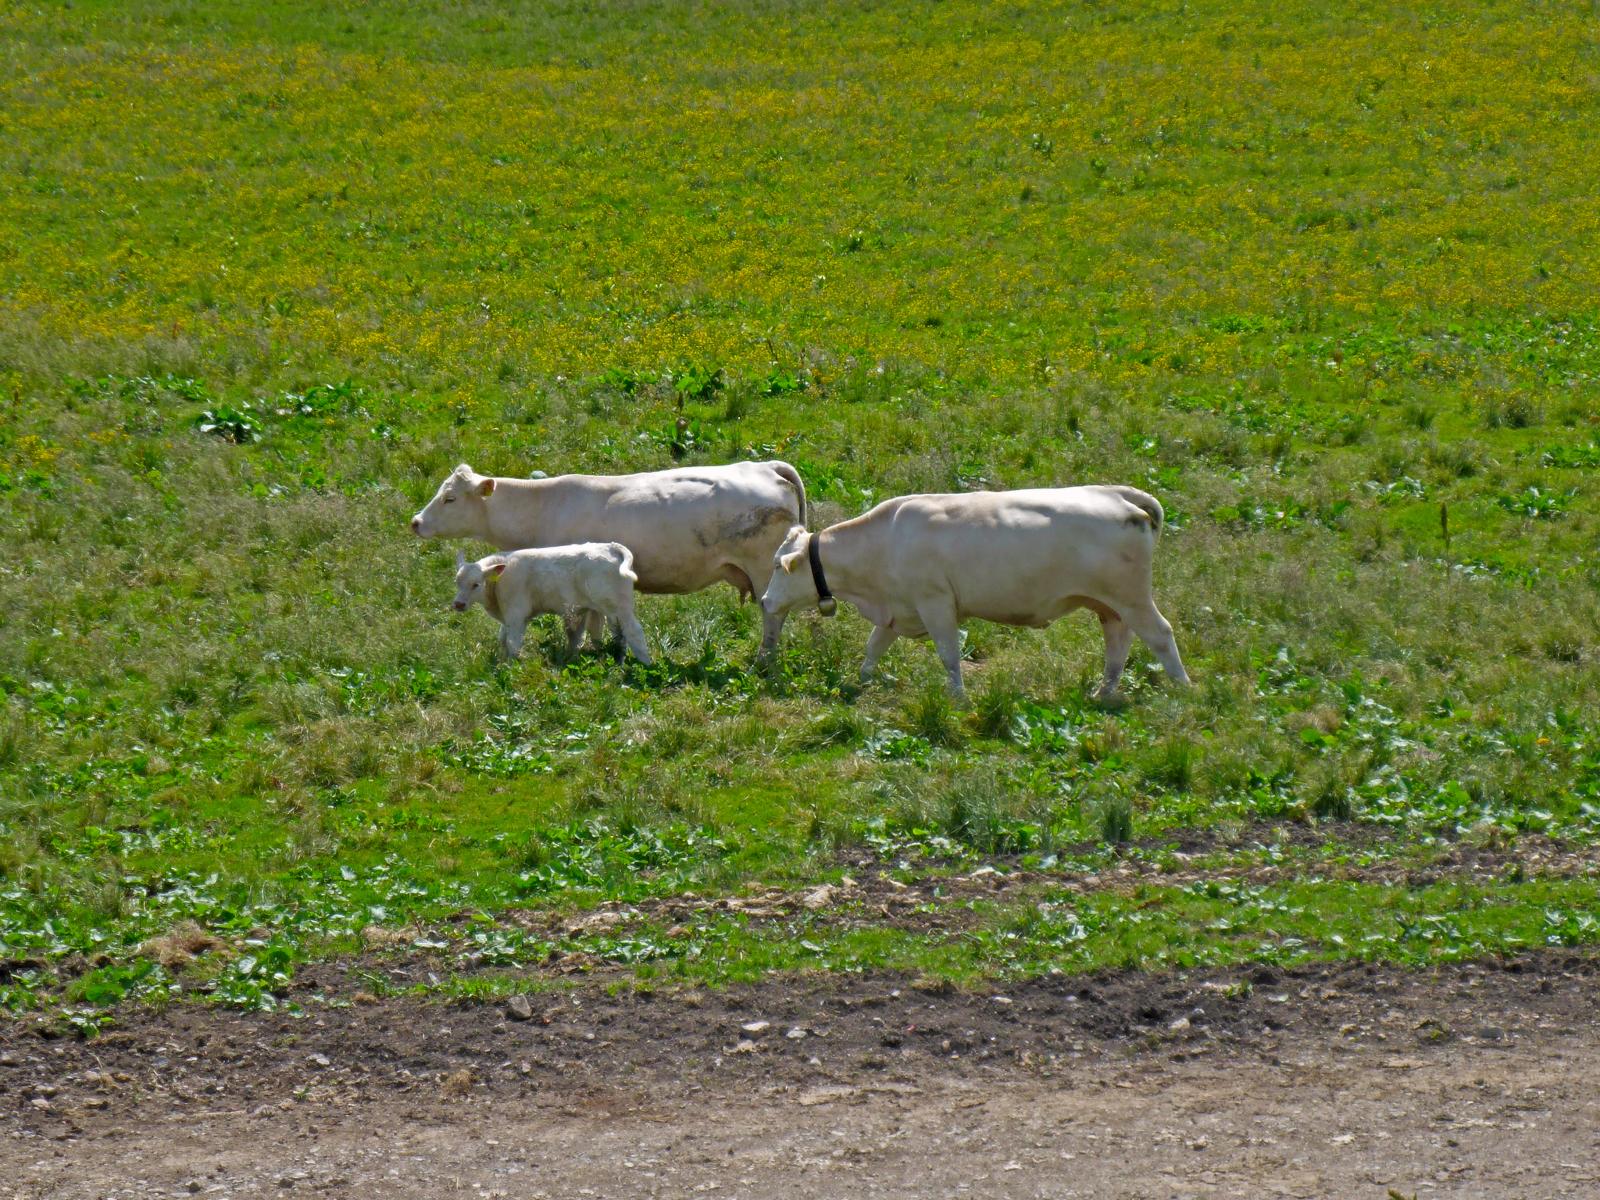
(681, 524)
(1011, 556)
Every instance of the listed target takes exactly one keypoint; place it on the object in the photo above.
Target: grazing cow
(688, 528)
(593, 577)
(917, 566)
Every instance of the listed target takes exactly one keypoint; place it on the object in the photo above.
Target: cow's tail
(1145, 503)
(792, 477)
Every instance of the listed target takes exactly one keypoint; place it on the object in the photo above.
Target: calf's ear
(790, 561)
(485, 485)
(498, 568)
(461, 559)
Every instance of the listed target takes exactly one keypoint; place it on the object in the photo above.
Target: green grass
(268, 271)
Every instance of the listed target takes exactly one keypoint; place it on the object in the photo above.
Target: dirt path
(1472, 1081)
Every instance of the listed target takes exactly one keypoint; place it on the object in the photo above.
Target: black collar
(825, 601)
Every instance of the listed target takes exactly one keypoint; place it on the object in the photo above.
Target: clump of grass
(1333, 801)
(932, 717)
(1515, 410)
(1563, 644)
(995, 710)
(14, 739)
(1114, 820)
(1170, 763)
(836, 725)
(1419, 415)
(983, 810)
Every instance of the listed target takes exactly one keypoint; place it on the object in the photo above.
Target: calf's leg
(513, 625)
(633, 634)
(573, 621)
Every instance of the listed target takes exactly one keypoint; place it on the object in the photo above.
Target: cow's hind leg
(1119, 640)
(1156, 632)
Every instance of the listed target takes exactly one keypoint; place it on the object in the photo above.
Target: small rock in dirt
(363, 998)
(378, 937)
(754, 1027)
(820, 896)
(1002, 1001)
(518, 1008)
(743, 1046)
(795, 1034)
(321, 1060)
(595, 920)
(1492, 1033)
(826, 1095)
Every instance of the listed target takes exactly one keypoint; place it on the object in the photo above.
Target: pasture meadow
(1319, 279)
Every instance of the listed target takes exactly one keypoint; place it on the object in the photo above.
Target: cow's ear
(790, 561)
(461, 559)
(498, 568)
(486, 485)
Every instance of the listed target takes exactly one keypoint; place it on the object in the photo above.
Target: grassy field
(1320, 279)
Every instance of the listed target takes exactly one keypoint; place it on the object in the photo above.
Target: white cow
(593, 577)
(688, 528)
(917, 566)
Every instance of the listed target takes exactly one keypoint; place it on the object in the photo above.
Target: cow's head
(472, 579)
(791, 584)
(457, 508)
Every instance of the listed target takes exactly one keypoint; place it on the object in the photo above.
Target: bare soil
(1474, 1080)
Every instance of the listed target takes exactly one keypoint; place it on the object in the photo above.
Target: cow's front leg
(771, 629)
(939, 619)
(882, 638)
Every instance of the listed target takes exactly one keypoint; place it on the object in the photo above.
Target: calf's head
(457, 508)
(791, 584)
(473, 579)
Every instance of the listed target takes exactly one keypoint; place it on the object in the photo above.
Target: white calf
(585, 583)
